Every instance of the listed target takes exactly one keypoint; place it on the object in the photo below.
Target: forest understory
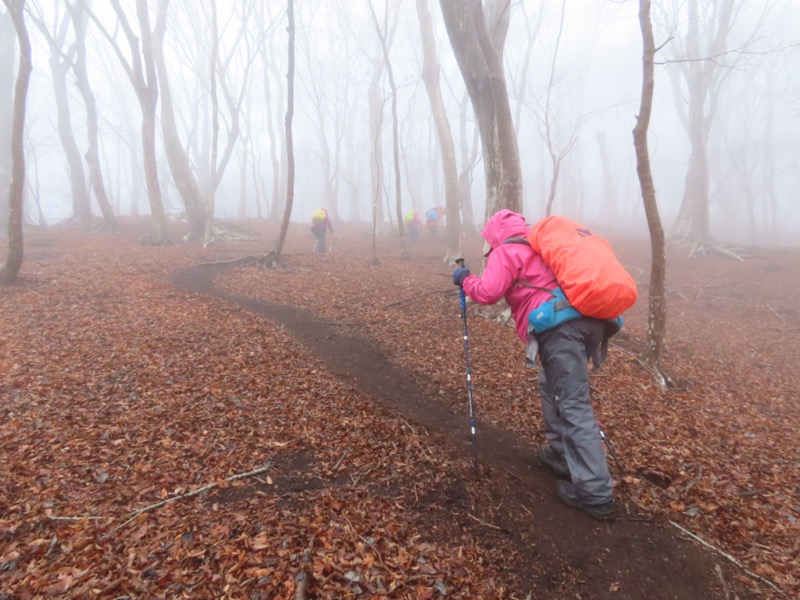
(172, 426)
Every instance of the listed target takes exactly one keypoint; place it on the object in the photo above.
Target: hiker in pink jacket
(516, 272)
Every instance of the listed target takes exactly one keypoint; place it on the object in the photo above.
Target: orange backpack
(584, 264)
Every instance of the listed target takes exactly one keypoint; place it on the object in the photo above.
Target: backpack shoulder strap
(524, 241)
(517, 240)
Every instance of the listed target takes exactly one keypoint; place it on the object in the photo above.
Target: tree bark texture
(8, 47)
(701, 79)
(212, 86)
(177, 158)
(430, 75)
(143, 79)
(13, 262)
(92, 155)
(382, 35)
(479, 58)
(80, 194)
(287, 209)
(376, 101)
(657, 314)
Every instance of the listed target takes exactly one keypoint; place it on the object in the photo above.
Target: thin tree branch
(730, 558)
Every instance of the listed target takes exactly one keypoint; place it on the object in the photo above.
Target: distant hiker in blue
(432, 220)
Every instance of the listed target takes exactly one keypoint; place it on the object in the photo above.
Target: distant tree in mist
(478, 47)
(702, 60)
(92, 156)
(177, 157)
(61, 61)
(287, 209)
(141, 72)
(14, 254)
(271, 76)
(8, 45)
(468, 160)
(430, 75)
(383, 35)
(331, 100)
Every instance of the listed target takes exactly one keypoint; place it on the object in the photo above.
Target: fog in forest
(727, 104)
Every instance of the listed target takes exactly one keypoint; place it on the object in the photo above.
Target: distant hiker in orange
(432, 218)
(320, 225)
(516, 272)
(414, 224)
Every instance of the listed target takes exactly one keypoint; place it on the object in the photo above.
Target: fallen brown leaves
(120, 391)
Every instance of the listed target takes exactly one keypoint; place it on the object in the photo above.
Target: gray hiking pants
(569, 423)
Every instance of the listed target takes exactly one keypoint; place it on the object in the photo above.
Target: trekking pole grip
(461, 263)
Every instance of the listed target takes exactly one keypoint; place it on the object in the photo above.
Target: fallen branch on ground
(484, 523)
(196, 492)
(730, 558)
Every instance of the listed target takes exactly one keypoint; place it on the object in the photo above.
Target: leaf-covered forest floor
(132, 376)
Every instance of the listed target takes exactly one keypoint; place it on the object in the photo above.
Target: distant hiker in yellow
(414, 223)
(320, 225)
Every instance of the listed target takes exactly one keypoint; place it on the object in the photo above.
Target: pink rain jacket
(507, 265)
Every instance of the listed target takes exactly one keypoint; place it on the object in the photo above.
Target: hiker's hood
(502, 225)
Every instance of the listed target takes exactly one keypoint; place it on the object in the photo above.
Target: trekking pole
(460, 263)
(611, 450)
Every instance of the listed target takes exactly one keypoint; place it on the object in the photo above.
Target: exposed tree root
(702, 247)
(229, 233)
(265, 261)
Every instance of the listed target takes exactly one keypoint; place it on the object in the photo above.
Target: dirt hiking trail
(632, 553)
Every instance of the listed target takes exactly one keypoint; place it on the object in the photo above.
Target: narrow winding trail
(628, 558)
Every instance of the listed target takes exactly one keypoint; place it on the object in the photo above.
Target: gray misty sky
(753, 160)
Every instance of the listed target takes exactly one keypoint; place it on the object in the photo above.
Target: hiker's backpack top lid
(592, 278)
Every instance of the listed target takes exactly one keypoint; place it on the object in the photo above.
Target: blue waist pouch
(552, 313)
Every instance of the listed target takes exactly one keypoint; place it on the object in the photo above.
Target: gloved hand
(459, 275)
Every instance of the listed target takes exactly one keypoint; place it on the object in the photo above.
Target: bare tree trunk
(80, 195)
(610, 200)
(60, 63)
(14, 255)
(281, 174)
(430, 75)
(479, 59)
(143, 79)
(376, 101)
(469, 158)
(352, 178)
(32, 180)
(771, 216)
(177, 159)
(212, 78)
(287, 210)
(382, 35)
(92, 155)
(657, 314)
(697, 108)
(8, 45)
(273, 144)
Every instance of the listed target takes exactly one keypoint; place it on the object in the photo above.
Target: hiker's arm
(495, 280)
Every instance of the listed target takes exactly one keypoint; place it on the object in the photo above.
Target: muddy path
(562, 549)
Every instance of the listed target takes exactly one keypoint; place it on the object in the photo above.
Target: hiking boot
(556, 462)
(569, 496)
